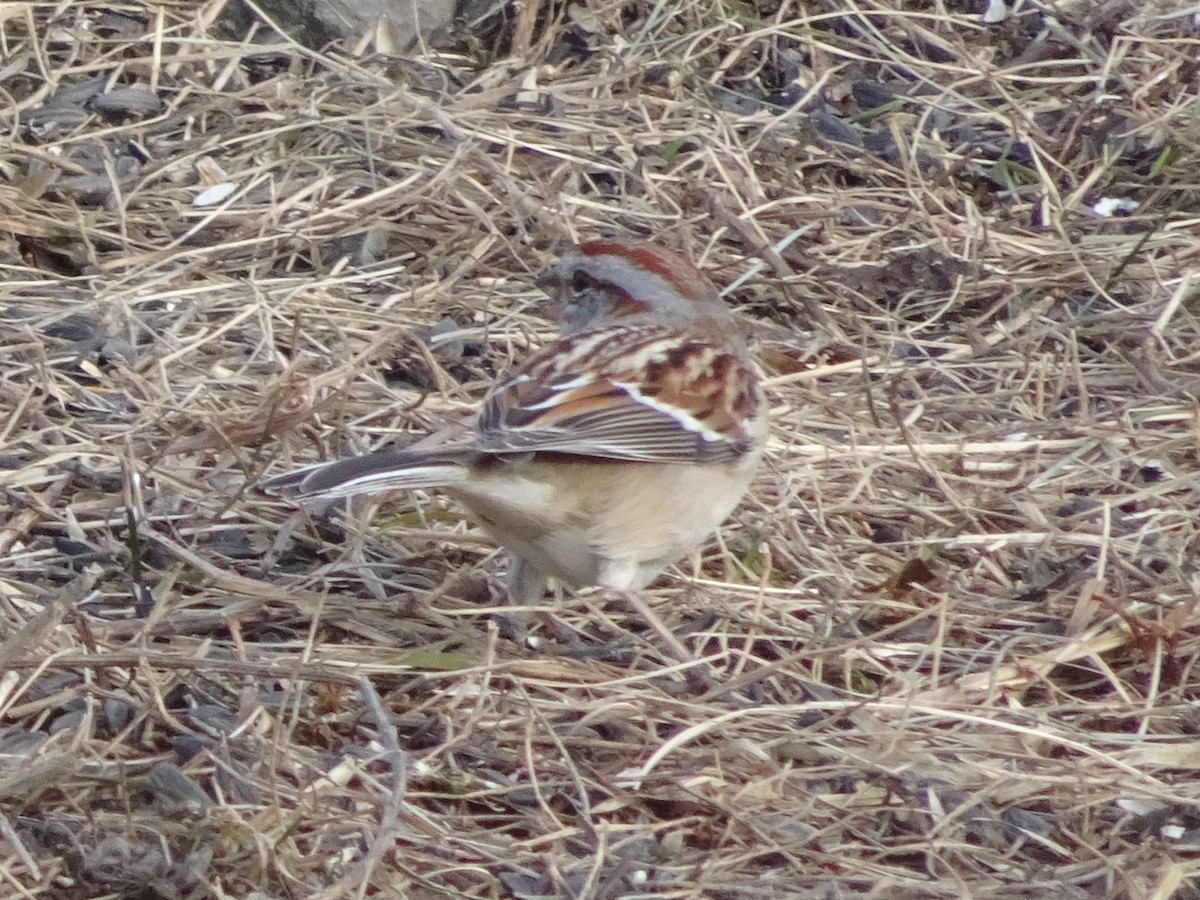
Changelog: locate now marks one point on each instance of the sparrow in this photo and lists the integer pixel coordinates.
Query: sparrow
(610, 452)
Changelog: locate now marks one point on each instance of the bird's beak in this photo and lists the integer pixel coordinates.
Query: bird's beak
(548, 280)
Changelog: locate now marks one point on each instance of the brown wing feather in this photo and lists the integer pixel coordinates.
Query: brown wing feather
(642, 393)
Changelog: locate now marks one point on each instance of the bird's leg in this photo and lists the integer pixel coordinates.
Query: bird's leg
(561, 632)
(527, 587)
(623, 577)
(697, 676)
(676, 646)
(526, 584)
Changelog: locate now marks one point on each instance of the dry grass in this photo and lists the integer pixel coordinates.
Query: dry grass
(954, 632)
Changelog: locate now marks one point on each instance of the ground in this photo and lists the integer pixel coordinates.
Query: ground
(952, 635)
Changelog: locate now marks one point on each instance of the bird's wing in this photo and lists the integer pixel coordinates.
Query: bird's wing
(639, 392)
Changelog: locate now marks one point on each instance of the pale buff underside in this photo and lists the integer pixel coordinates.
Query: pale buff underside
(611, 524)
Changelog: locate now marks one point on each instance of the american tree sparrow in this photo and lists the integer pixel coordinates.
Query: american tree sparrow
(609, 453)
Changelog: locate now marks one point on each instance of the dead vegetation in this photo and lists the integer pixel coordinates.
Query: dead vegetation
(954, 632)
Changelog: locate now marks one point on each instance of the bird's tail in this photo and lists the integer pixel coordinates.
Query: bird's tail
(387, 471)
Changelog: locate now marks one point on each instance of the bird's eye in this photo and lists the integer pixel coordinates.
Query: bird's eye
(581, 281)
